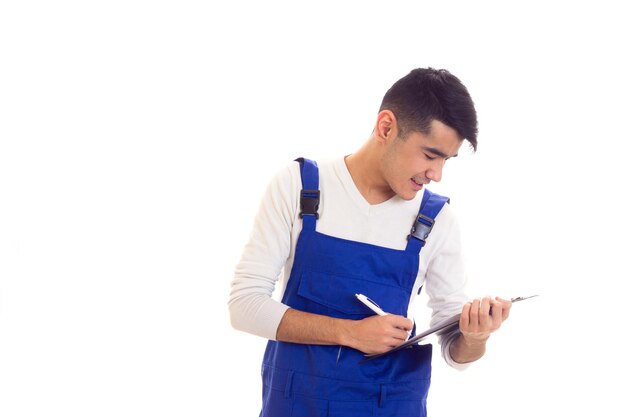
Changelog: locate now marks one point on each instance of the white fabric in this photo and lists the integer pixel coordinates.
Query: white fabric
(268, 256)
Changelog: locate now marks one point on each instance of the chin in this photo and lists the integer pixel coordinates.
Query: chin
(408, 195)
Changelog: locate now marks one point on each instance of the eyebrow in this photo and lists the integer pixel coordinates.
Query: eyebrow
(440, 153)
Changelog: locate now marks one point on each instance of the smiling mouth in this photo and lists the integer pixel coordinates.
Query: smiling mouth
(416, 184)
(420, 181)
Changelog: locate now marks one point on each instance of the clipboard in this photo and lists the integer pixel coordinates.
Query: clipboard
(448, 325)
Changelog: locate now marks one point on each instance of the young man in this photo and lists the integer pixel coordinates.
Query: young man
(352, 226)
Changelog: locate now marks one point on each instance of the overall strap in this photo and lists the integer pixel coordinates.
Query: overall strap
(310, 193)
(431, 206)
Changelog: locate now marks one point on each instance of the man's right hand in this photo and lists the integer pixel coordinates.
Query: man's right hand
(377, 334)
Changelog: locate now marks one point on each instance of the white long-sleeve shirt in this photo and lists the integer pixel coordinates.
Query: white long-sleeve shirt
(344, 213)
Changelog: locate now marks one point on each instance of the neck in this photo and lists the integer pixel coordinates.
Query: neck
(364, 168)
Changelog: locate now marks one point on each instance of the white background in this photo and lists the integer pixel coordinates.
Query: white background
(137, 137)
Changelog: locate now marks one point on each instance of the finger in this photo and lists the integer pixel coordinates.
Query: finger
(496, 314)
(473, 313)
(484, 315)
(392, 340)
(405, 328)
(506, 307)
(400, 322)
(399, 335)
(464, 320)
(407, 325)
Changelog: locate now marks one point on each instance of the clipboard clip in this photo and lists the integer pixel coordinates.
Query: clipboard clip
(523, 298)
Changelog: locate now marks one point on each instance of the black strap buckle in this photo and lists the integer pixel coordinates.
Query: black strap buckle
(309, 203)
(421, 228)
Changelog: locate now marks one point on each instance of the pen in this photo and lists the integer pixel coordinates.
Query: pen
(371, 304)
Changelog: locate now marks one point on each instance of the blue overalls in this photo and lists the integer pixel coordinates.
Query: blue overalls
(333, 381)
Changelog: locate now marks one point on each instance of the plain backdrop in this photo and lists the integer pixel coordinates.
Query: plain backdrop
(137, 137)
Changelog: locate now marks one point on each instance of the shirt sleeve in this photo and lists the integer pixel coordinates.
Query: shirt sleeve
(445, 278)
(252, 308)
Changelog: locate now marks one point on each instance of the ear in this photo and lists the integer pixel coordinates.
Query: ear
(386, 126)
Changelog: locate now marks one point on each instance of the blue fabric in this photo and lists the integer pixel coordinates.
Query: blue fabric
(332, 381)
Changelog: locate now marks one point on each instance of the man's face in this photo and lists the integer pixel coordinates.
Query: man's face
(409, 163)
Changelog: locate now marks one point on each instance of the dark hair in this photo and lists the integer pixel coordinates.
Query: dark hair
(427, 94)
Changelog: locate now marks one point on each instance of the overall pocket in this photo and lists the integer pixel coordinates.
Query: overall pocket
(335, 295)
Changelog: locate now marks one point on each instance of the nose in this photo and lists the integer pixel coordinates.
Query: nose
(435, 172)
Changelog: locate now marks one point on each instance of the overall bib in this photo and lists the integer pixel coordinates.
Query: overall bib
(333, 381)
